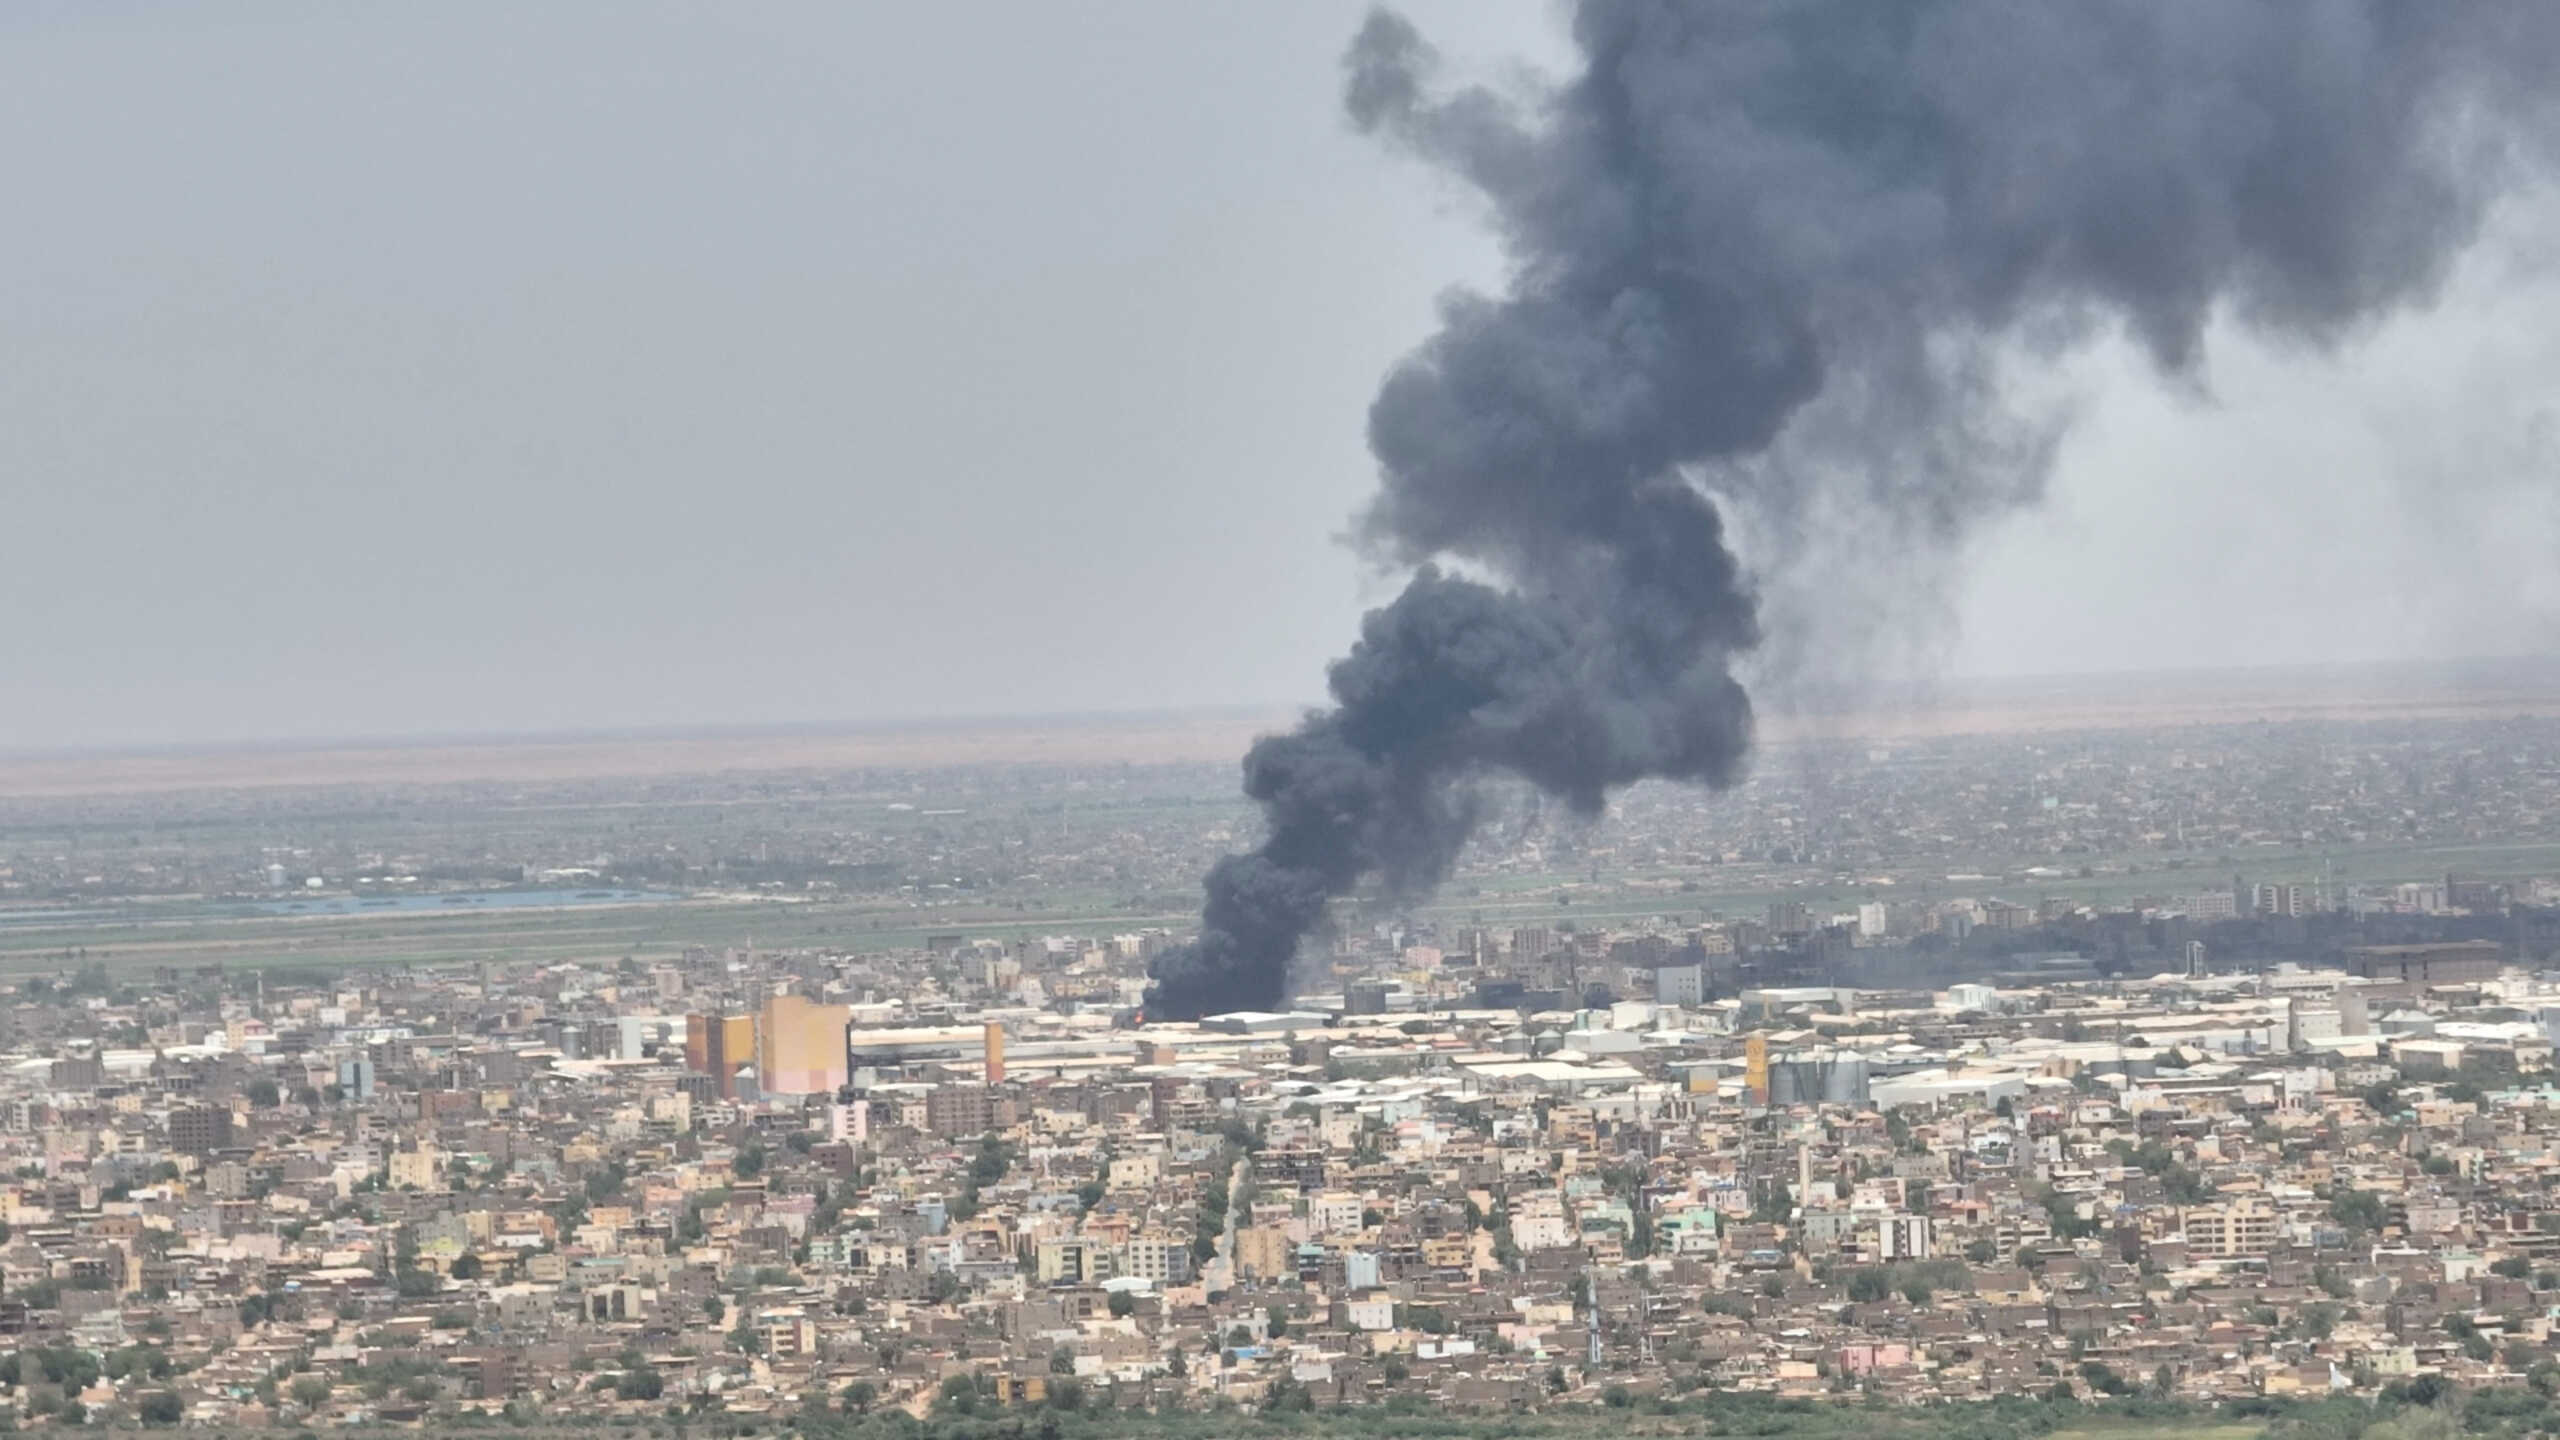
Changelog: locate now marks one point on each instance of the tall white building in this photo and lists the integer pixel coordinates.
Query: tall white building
(1902, 1237)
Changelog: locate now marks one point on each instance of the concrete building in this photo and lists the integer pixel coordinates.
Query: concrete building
(2463, 962)
(2246, 1226)
(1680, 981)
(959, 1111)
(800, 1046)
(720, 1046)
(1902, 1237)
(199, 1129)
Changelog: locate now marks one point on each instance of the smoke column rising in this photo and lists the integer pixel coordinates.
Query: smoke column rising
(1774, 257)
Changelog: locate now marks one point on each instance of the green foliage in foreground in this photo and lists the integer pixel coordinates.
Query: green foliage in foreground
(2421, 1410)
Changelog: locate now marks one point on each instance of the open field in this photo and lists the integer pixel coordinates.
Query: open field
(596, 933)
(145, 935)
(1006, 829)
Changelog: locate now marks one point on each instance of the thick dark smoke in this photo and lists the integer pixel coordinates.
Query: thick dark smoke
(1779, 253)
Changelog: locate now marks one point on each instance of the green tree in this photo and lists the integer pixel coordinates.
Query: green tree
(1286, 1396)
(607, 1182)
(991, 1162)
(2357, 1209)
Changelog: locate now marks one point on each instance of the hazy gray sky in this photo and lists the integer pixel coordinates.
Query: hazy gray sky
(372, 370)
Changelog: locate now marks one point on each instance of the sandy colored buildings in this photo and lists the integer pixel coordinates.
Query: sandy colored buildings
(720, 1046)
(800, 1046)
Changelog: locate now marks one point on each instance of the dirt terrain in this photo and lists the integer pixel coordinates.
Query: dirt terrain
(1191, 737)
(2088, 702)
(2169, 700)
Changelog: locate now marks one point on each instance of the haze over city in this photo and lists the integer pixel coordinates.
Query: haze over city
(1463, 721)
(468, 369)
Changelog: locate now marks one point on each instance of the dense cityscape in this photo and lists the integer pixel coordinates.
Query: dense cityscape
(2078, 1066)
(1580, 720)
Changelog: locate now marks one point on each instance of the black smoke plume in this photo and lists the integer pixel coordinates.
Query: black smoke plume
(1779, 253)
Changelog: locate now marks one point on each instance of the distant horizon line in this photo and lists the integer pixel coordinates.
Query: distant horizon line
(2448, 667)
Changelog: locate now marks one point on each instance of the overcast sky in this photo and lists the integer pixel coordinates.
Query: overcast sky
(383, 370)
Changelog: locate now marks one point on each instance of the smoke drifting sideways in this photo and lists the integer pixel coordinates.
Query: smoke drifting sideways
(1769, 260)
